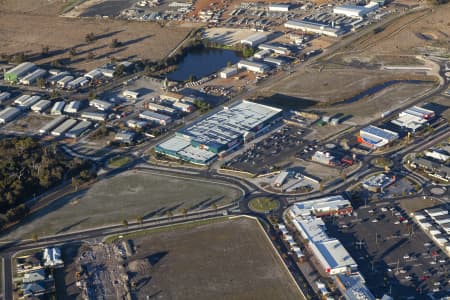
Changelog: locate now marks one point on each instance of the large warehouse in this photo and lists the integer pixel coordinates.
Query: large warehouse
(329, 252)
(220, 132)
(376, 137)
(312, 27)
(19, 71)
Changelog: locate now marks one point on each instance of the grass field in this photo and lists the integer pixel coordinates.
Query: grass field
(263, 204)
(225, 259)
(117, 162)
(125, 196)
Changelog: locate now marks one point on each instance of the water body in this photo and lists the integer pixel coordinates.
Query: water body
(375, 89)
(203, 62)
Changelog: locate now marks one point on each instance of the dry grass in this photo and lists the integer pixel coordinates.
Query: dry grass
(408, 35)
(40, 26)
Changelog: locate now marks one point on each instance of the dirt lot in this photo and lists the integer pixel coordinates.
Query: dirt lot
(228, 259)
(124, 196)
(412, 34)
(43, 28)
(370, 108)
(331, 83)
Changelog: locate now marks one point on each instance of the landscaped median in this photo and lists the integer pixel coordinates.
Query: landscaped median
(263, 204)
(118, 161)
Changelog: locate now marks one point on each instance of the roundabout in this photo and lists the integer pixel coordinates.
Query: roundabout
(263, 205)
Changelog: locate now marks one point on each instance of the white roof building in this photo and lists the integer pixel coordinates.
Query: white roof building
(52, 257)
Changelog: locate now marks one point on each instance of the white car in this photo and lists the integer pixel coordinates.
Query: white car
(375, 221)
(397, 222)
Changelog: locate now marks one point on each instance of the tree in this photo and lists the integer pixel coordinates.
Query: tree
(90, 37)
(115, 43)
(140, 220)
(169, 214)
(184, 211)
(75, 183)
(118, 72)
(124, 223)
(35, 237)
(214, 206)
(73, 52)
(92, 95)
(44, 51)
(91, 55)
(41, 82)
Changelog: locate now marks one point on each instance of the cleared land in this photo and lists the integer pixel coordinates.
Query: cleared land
(425, 31)
(229, 259)
(125, 196)
(41, 27)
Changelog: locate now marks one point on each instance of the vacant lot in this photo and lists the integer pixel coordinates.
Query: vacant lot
(330, 84)
(415, 33)
(125, 196)
(370, 108)
(230, 259)
(42, 27)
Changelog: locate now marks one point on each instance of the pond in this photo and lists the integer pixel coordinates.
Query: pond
(203, 62)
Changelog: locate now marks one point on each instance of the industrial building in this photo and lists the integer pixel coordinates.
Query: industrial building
(262, 53)
(19, 101)
(73, 107)
(56, 77)
(29, 102)
(281, 178)
(63, 82)
(160, 108)
(101, 104)
(230, 126)
(312, 27)
(414, 118)
(332, 205)
(19, 71)
(9, 114)
(78, 82)
(355, 11)
(378, 183)
(57, 108)
(353, 287)
(181, 148)
(436, 223)
(4, 96)
(155, 117)
(252, 66)
(130, 94)
(220, 132)
(254, 40)
(274, 61)
(64, 127)
(132, 123)
(78, 129)
(329, 252)
(33, 77)
(282, 50)
(94, 74)
(41, 106)
(184, 107)
(279, 7)
(375, 137)
(437, 154)
(94, 116)
(172, 97)
(324, 158)
(228, 72)
(124, 136)
(52, 125)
